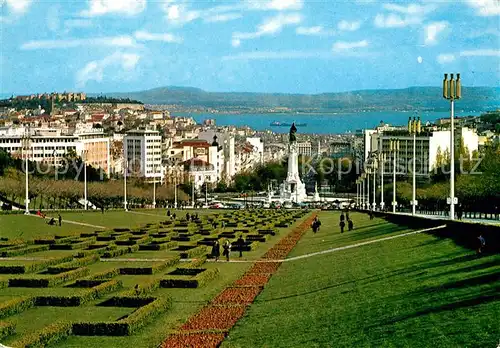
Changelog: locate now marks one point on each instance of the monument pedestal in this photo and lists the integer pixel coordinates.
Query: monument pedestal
(293, 189)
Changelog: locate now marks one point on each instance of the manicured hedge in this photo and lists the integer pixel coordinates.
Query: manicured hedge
(77, 300)
(129, 301)
(197, 281)
(104, 275)
(4, 283)
(71, 246)
(25, 250)
(120, 251)
(143, 289)
(80, 262)
(192, 253)
(6, 329)
(44, 337)
(48, 281)
(154, 268)
(127, 326)
(15, 306)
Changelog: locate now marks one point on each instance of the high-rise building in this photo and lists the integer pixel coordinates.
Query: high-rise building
(142, 151)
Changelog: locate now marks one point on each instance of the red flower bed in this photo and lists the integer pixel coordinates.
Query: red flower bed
(218, 318)
(197, 340)
(264, 267)
(253, 280)
(237, 296)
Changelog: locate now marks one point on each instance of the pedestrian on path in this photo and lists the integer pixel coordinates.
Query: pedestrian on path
(216, 250)
(227, 250)
(241, 244)
(59, 218)
(481, 244)
(342, 226)
(350, 224)
(342, 217)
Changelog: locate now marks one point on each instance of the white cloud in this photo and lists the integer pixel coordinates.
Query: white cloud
(402, 16)
(95, 70)
(481, 53)
(236, 42)
(445, 58)
(315, 31)
(349, 26)
(345, 45)
(433, 30)
(270, 26)
(53, 21)
(223, 17)
(123, 7)
(278, 5)
(485, 8)
(178, 13)
(16, 6)
(77, 23)
(142, 35)
(266, 55)
(411, 9)
(115, 41)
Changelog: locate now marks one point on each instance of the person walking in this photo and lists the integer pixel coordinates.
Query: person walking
(216, 250)
(342, 226)
(188, 217)
(241, 244)
(174, 215)
(102, 209)
(481, 244)
(347, 215)
(168, 213)
(227, 250)
(460, 212)
(350, 224)
(59, 218)
(342, 217)
(314, 226)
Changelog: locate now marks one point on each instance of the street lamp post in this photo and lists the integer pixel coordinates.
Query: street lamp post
(154, 186)
(394, 149)
(26, 143)
(84, 153)
(175, 190)
(452, 90)
(125, 170)
(414, 128)
(382, 202)
(374, 205)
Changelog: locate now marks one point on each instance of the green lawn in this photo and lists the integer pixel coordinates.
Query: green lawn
(414, 291)
(26, 227)
(185, 301)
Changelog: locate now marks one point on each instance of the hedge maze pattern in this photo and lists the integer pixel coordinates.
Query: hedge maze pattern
(92, 269)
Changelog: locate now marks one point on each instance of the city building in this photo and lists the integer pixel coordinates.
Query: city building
(142, 151)
(305, 148)
(94, 147)
(47, 145)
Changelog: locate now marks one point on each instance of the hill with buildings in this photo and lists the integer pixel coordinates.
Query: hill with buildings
(413, 98)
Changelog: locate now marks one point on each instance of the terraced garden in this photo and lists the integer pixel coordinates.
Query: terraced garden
(134, 286)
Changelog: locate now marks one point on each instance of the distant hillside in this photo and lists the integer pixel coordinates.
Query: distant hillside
(474, 98)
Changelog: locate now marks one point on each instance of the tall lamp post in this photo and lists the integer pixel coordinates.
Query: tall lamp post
(394, 149)
(414, 129)
(26, 139)
(374, 205)
(382, 165)
(154, 186)
(175, 190)
(84, 153)
(452, 90)
(125, 171)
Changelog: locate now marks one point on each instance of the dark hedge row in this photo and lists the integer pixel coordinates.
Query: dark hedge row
(48, 281)
(84, 297)
(197, 281)
(44, 337)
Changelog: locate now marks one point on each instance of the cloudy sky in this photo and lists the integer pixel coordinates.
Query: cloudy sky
(299, 46)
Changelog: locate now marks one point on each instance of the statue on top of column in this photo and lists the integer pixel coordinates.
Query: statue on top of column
(293, 130)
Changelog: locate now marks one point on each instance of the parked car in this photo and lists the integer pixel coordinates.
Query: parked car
(217, 206)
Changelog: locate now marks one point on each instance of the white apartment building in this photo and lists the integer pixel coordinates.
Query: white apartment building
(304, 148)
(428, 145)
(94, 147)
(227, 142)
(258, 146)
(44, 144)
(142, 151)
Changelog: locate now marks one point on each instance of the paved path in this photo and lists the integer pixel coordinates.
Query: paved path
(297, 257)
(156, 215)
(72, 222)
(445, 217)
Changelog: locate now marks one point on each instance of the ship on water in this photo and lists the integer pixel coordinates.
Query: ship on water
(282, 124)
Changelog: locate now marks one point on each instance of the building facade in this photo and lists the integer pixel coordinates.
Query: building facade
(142, 153)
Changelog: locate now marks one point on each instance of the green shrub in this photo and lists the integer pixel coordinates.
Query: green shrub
(80, 262)
(197, 281)
(4, 283)
(144, 315)
(77, 300)
(6, 329)
(120, 251)
(196, 263)
(28, 267)
(101, 329)
(25, 250)
(82, 245)
(143, 289)
(44, 337)
(48, 281)
(129, 301)
(15, 306)
(104, 275)
(198, 251)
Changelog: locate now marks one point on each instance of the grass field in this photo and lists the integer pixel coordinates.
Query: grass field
(185, 302)
(414, 291)
(27, 227)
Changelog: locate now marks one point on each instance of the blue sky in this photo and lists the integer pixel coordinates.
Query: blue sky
(290, 46)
